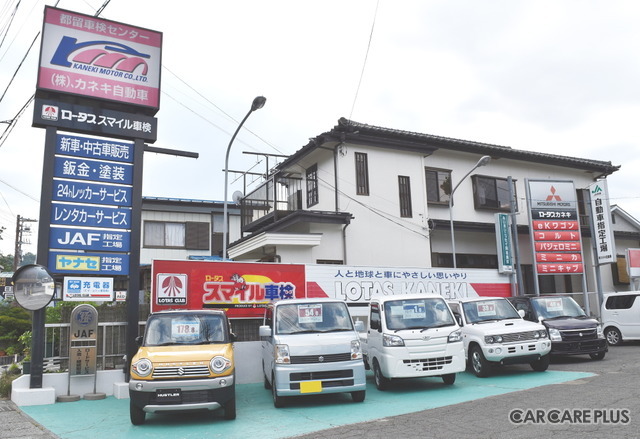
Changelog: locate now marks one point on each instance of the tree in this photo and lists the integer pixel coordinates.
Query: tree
(6, 262)
(28, 258)
(14, 321)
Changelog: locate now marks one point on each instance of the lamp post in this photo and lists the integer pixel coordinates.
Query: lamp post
(483, 161)
(257, 104)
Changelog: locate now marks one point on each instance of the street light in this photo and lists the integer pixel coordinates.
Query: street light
(257, 104)
(483, 161)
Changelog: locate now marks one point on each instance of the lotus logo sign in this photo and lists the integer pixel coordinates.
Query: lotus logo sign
(171, 289)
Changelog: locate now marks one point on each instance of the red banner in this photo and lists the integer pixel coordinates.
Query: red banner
(243, 289)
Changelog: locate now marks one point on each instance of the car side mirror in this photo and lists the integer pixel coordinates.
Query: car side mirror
(458, 318)
(264, 331)
(521, 313)
(139, 340)
(232, 337)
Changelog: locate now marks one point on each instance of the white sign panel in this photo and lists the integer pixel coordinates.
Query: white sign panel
(88, 289)
(601, 217)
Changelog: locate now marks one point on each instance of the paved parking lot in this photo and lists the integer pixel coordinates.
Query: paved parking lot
(257, 417)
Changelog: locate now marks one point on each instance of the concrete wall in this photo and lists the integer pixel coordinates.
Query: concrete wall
(112, 382)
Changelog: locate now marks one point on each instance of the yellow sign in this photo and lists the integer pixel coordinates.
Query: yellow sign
(77, 262)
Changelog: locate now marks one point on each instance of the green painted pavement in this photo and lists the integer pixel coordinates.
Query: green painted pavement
(256, 416)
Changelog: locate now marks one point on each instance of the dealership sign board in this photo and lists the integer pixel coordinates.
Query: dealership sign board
(245, 288)
(605, 245)
(555, 227)
(100, 59)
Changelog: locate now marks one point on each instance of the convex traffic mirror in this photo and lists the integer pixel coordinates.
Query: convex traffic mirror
(33, 287)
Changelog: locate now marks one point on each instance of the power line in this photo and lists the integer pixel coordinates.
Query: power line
(364, 64)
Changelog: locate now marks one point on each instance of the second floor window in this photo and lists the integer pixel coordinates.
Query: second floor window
(312, 186)
(404, 186)
(491, 193)
(189, 235)
(438, 185)
(362, 174)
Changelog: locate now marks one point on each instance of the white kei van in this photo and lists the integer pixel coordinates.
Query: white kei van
(621, 317)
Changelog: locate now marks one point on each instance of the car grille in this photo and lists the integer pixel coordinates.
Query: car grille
(579, 334)
(327, 358)
(517, 337)
(189, 397)
(428, 363)
(324, 375)
(181, 372)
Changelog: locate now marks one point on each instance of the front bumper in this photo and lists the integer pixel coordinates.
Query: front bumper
(334, 377)
(515, 353)
(199, 394)
(401, 363)
(579, 347)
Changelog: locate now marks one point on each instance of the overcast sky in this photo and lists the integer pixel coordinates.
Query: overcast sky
(548, 76)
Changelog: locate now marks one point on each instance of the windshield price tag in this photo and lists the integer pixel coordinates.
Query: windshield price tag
(185, 330)
(554, 304)
(486, 309)
(310, 313)
(414, 311)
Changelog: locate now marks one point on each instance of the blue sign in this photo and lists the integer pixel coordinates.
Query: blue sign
(105, 149)
(93, 193)
(93, 170)
(89, 263)
(90, 216)
(89, 239)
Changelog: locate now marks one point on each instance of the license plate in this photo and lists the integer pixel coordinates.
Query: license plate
(168, 396)
(311, 387)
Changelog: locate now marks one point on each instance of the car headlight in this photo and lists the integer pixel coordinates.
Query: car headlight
(356, 351)
(282, 354)
(219, 364)
(389, 340)
(142, 367)
(490, 339)
(554, 334)
(455, 336)
(599, 331)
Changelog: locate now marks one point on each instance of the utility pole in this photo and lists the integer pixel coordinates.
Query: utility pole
(21, 230)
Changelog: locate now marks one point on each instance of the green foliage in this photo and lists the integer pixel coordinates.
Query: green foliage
(28, 258)
(5, 383)
(25, 341)
(14, 321)
(7, 262)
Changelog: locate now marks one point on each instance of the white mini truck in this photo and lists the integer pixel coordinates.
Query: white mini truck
(412, 336)
(310, 346)
(495, 333)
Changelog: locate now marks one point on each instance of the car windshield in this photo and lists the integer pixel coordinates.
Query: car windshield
(417, 314)
(178, 329)
(551, 307)
(313, 317)
(491, 309)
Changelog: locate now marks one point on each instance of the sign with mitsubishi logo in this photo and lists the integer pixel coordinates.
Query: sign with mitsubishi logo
(555, 227)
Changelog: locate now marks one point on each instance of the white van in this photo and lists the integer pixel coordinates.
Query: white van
(310, 346)
(621, 317)
(412, 336)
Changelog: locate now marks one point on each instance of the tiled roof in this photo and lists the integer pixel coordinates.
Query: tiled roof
(355, 132)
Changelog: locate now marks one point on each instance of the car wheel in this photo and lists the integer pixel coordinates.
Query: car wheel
(541, 364)
(136, 414)
(597, 356)
(449, 378)
(277, 400)
(381, 381)
(479, 364)
(358, 396)
(613, 336)
(230, 410)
